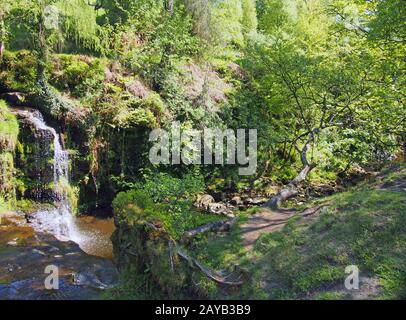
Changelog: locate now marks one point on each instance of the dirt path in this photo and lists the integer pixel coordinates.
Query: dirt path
(266, 221)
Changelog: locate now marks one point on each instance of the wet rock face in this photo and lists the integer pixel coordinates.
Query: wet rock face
(147, 247)
(34, 161)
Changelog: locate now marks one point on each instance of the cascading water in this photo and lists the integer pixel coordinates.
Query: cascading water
(90, 233)
(60, 221)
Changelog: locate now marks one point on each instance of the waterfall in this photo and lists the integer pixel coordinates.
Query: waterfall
(59, 221)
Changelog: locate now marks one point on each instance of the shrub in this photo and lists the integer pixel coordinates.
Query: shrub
(154, 103)
(18, 70)
(8, 129)
(137, 117)
(79, 75)
(166, 199)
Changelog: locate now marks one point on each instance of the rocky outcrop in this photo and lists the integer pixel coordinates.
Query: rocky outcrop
(147, 247)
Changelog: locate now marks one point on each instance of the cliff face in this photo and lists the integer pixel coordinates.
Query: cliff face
(34, 161)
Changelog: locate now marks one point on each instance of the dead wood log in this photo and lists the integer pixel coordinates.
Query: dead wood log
(310, 211)
(219, 226)
(230, 279)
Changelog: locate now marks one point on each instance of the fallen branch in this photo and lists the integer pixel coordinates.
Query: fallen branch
(311, 211)
(222, 226)
(231, 279)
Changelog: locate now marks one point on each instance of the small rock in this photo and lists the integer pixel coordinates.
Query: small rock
(79, 279)
(12, 242)
(219, 208)
(53, 249)
(236, 201)
(72, 253)
(38, 251)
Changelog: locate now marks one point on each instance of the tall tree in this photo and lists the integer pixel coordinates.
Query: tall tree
(314, 77)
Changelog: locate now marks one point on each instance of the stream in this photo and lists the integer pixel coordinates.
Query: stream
(80, 247)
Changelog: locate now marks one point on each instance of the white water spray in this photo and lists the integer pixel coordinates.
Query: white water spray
(60, 221)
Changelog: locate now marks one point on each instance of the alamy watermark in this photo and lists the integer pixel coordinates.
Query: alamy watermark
(52, 281)
(352, 281)
(205, 146)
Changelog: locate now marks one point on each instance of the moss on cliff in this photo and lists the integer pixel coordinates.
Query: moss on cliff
(8, 138)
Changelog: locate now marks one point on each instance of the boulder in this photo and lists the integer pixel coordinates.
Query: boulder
(203, 201)
(236, 201)
(14, 98)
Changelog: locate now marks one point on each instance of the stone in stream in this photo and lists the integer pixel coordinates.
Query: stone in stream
(208, 203)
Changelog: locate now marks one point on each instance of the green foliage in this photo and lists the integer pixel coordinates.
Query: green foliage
(136, 117)
(78, 24)
(153, 103)
(79, 75)
(7, 180)
(326, 77)
(134, 286)
(168, 40)
(8, 139)
(8, 128)
(249, 16)
(18, 70)
(226, 22)
(163, 198)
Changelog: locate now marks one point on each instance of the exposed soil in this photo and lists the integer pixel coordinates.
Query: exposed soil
(266, 221)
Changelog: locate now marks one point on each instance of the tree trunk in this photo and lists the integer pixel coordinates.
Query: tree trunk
(404, 147)
(42, 50)
(2, 36)
(1, 50)
(169, 6)
(291, 189)
(211, 226)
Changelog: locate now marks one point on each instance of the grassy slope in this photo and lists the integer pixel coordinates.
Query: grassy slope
(364, 226)
(8, 138)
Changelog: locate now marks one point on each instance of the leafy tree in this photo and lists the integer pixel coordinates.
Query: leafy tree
(313, 75)
(249, 16)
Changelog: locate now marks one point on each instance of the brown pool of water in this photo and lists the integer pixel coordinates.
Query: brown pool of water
(26, 252)
(94, 235)
(90, 233)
